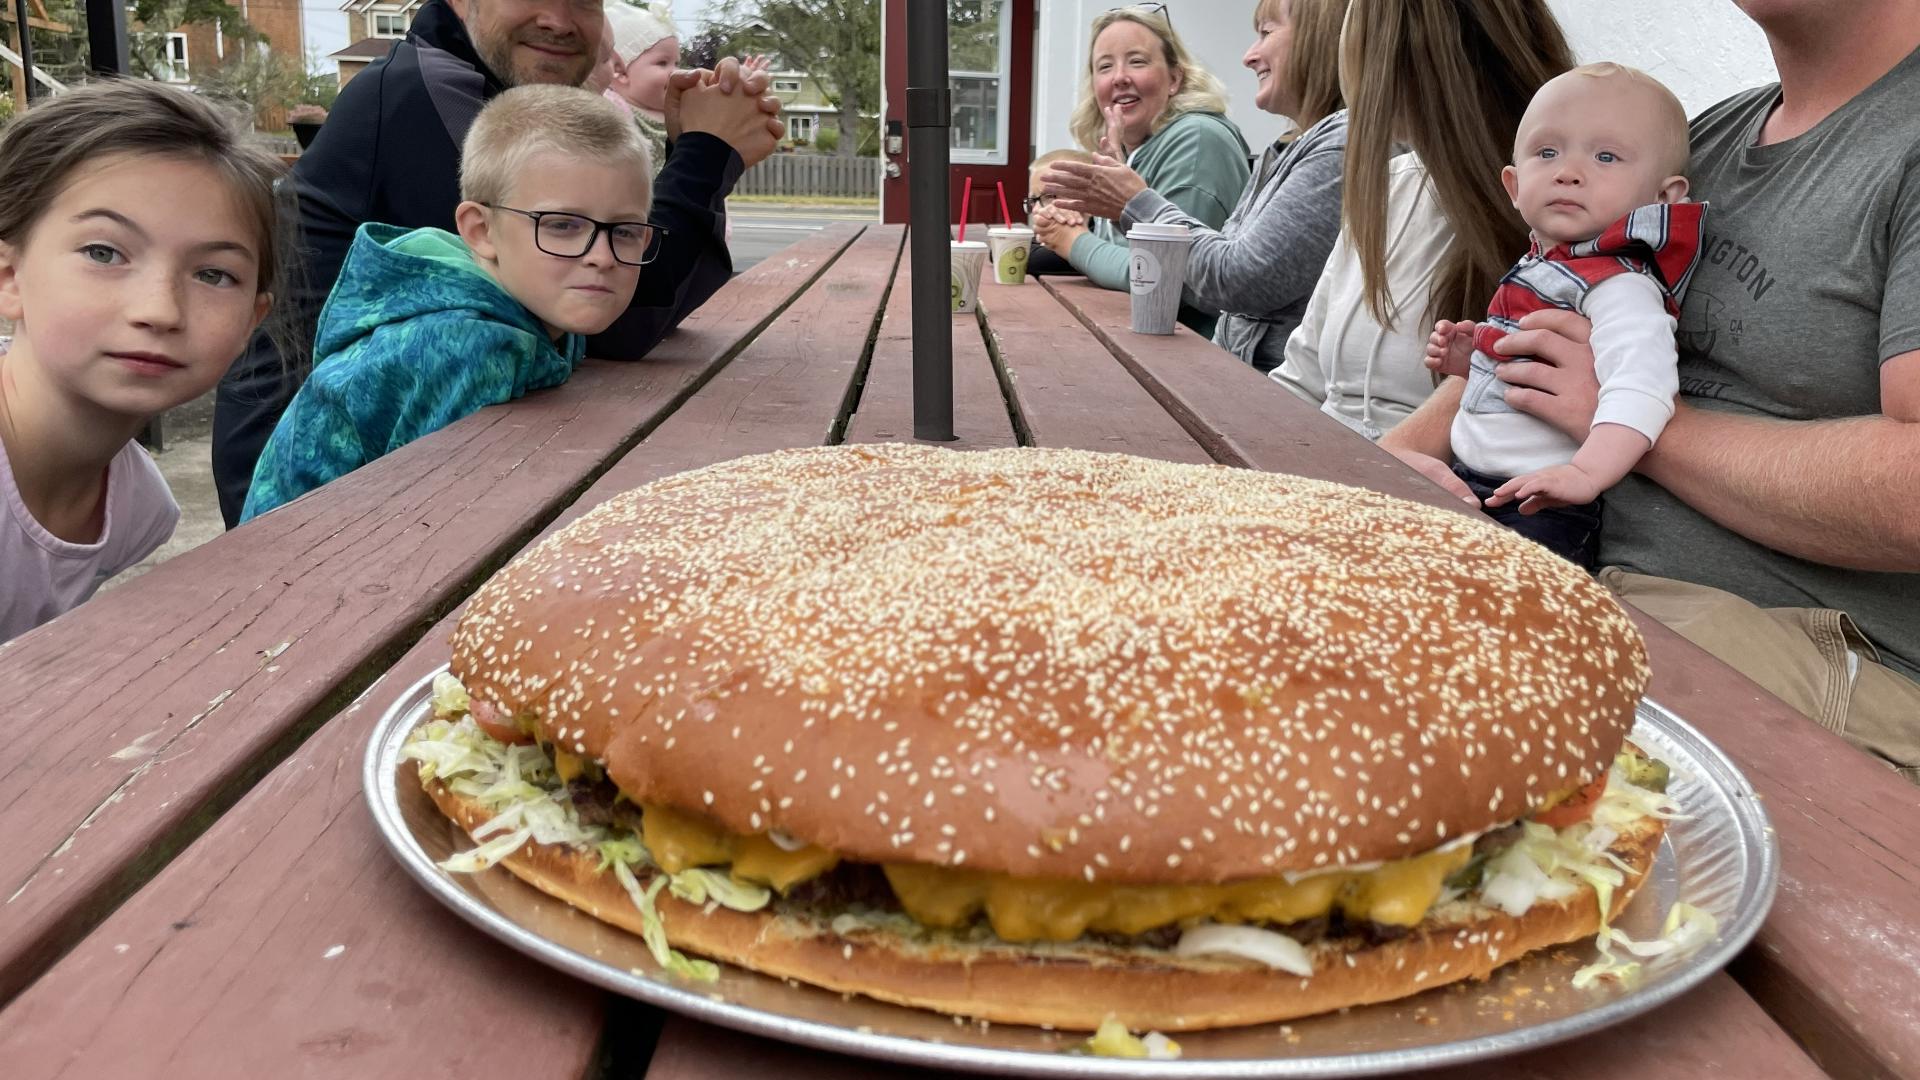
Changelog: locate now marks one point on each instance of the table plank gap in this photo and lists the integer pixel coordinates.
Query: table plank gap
(1069, 390)
(981, 419)
(856, 387)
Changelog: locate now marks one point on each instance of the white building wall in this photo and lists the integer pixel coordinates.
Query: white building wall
(1703, 49)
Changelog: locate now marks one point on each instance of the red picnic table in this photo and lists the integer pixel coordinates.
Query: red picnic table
(194, 886)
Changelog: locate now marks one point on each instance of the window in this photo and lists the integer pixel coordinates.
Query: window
(389, 26)
(786, 86)
(802, 126)
(176, 58)
(979, 33)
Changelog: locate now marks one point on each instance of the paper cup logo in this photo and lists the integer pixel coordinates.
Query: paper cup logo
(959, 291)
(1013, 264)
(1144, 271)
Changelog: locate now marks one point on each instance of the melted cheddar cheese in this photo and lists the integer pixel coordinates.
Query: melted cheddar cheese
(1046, 909)
(680, 841)
(1032, 909)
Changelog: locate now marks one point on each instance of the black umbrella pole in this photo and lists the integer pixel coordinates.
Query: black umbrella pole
(26, 45)
(929, 112)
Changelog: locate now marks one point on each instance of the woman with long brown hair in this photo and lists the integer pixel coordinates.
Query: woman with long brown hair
(1434, 91)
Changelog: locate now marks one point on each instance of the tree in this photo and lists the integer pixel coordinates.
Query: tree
(155, 19)
(836, 42)
(704, 49)
(254, 78)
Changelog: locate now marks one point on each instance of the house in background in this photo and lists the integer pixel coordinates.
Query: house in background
(373, 26)
(203, 47)
(803, 105)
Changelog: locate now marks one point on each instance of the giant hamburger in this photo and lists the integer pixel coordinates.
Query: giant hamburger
(1049, 737)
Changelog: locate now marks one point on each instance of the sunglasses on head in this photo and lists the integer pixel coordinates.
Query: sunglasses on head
(1159, 11)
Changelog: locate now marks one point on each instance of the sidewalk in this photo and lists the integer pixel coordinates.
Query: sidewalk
(187, 463)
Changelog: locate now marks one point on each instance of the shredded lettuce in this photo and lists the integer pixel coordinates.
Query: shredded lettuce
(449, 697)
(654, 931)
(698, 885)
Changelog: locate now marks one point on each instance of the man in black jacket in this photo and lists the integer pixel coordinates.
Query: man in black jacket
(390, 152)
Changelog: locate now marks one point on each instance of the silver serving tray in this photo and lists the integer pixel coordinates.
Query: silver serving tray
(1721, 857)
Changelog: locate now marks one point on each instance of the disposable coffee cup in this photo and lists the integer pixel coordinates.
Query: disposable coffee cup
(969, 260)
(1156, 273)
(1008, 245)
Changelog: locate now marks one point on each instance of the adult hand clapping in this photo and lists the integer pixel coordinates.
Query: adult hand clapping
(731, 103)
(1099, 189)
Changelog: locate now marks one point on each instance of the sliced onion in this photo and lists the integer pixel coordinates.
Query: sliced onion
(785, 842)
(1510, 893)
(1159, 1047)
(1276, 950)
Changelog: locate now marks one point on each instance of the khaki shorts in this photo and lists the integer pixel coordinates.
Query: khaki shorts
(1814, 659)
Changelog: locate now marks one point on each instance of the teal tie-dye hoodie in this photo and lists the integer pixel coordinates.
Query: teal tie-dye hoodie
(413, 337)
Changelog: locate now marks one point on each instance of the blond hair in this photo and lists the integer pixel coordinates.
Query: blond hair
(524, 122)
(1052, 156)
(1313, 62)
(1669, 119)
(1451, 78)
(1200, 91)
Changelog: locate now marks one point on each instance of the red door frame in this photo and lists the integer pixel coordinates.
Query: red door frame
(893, 75)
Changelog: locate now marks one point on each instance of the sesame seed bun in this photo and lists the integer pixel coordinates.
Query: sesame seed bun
(1059, 664)
(1077, 986)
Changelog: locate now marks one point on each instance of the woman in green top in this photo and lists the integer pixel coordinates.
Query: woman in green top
(1145, 101)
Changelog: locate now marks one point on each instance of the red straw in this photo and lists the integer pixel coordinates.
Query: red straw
(966, 199)
(1004, 213)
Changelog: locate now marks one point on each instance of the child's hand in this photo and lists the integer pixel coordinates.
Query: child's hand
(1437, 471)
(1450, 349)
(1562, 485)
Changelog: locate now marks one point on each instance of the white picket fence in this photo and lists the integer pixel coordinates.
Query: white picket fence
(813, 174)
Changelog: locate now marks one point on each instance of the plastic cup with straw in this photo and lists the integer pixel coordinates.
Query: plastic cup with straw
(1008, 245)
(968, 259)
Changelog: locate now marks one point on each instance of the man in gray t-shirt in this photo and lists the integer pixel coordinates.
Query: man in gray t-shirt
(1789, 476)
(1808, 287)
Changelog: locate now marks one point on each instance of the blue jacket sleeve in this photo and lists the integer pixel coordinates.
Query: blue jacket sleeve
(316, 441)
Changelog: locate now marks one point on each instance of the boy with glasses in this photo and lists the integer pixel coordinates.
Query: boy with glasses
(424, 327)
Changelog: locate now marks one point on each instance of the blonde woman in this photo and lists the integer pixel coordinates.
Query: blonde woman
(1144, 101)
(1260, 267)
(1434, 92)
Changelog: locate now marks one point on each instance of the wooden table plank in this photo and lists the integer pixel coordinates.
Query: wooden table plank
(1240, 416)
(287, 941)
(1835, 961)
(794, 386)
(885, 412)
(412, 966)
(1068, 391)
(142, 715)
(1714, 1031)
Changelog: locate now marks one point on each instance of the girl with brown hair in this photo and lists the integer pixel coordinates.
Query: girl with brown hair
(1434, 91)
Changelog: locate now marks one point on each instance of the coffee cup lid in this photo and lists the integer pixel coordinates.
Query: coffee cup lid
(968, 245)
(1009, 230)
(1148, 230)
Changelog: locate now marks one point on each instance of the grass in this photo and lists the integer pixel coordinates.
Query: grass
(854, 202)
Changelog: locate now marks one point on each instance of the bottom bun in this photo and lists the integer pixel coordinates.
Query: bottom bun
(1078, 988)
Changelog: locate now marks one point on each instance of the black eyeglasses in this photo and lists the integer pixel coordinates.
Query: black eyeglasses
(569, 236)
(1034, 202)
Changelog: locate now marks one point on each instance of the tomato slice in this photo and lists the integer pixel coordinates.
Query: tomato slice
(1577, 807)
(487, 719)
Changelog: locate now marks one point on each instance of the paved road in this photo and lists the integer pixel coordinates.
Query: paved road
(759, 231)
